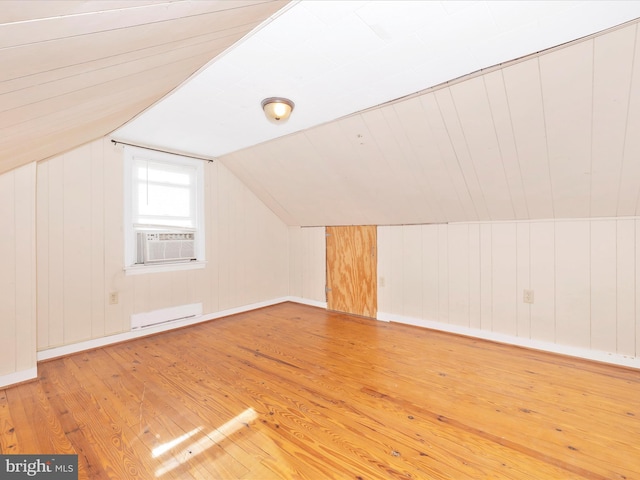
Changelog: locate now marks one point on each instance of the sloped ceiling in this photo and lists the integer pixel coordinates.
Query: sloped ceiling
(406, 112)
(556, 135)
(72, 71)
(423, 112)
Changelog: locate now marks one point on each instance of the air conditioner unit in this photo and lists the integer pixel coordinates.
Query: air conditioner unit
(165, 247)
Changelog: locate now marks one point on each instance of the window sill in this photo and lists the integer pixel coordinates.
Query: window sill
(164, 267)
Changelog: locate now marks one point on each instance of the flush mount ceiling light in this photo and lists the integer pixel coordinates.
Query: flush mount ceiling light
(277, 109)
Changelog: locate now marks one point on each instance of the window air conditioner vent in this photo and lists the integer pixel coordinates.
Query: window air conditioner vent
(165, 247)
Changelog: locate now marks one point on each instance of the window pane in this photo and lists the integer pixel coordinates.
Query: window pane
(169, 222)
(163, 200)
(164, 191)
(164, 173)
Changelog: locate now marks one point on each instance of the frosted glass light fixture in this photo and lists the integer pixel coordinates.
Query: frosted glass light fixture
(277, 109)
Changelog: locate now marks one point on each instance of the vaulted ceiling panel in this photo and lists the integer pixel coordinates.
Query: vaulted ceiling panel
(342, 157)
(255, 174)
(363, 139)
(90, 109)
(447, 154)
(524, 94)
(404, 165)
(67, 64)
(438, 111)
(430, 176)
(548, 136)
(460, 152)
(629, 190)
(612, 76)
(480, 144)
(29, 10)
(508, 152)
(566, 79)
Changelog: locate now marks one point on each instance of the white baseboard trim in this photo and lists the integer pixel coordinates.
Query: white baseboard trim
(149, 330)
(585, 353)
(18, 377)
(306, 301)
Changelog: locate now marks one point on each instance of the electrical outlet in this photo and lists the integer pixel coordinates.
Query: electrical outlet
(113, 298)
(381, 281)
(527, 296)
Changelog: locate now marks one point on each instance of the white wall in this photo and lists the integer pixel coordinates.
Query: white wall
(80, 250)
(465, 277)
(307, 264)
(17, 275)
(470, 277)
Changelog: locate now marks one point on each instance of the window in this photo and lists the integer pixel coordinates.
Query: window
(164, 226)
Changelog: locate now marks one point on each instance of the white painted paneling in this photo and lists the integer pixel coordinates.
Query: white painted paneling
(501, 121)
(567, 93)
(628, 190)
(447, 155)
(523, 281)
(412, 270)
(208, 284)
(76, 224)
(396, 273)
(295, 261)
(316, 264)
(612, 70)
(482, 148)
(430, 272)
(74, 77)
(25, 273)
(307, 263)
(543, 281)
(55, 254)
(458, 268)
(98, 298)
(42, 253)
(80, 247)
(460, 150)
(549, 136)
(383, 240)
(486, 293)
(443, 274)
(7, 275)
(425, 174)
(583, 274)
(626, 287)
(637, 296)
(524, 96)
(474, 276)
(17, 273)
(117, 317)
(603, 285)
(223, 240)
(573, 283)
(504, 278)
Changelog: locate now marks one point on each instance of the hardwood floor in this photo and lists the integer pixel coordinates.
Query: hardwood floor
(292, 391)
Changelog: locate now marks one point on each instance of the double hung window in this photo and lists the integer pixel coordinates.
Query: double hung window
(164, 227)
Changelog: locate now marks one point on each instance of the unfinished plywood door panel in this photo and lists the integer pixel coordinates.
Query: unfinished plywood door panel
(351, 270)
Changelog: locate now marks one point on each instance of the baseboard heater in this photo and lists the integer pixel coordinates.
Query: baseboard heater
(165, 315)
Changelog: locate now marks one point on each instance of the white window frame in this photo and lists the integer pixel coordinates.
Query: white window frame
(131, 268)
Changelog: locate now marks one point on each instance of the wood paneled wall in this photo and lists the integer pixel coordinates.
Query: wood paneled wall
(585, 275)
(307, 263)
(80, 250)
(17, 273)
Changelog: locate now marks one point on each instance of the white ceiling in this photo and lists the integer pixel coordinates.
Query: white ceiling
(406, 112)
(339, 57)
(72, 71)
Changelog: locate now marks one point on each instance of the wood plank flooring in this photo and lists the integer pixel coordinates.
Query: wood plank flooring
(296, 392)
